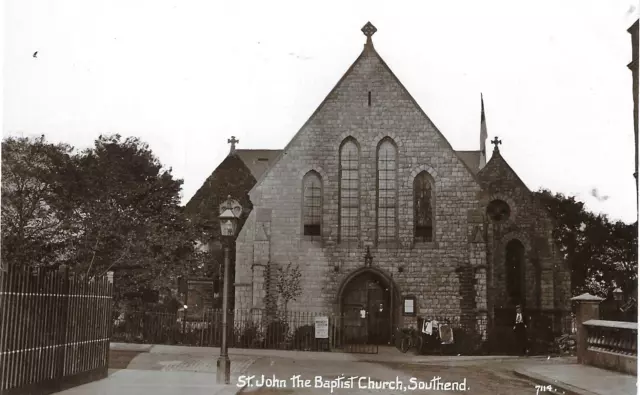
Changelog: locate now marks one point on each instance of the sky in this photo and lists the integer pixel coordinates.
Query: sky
(186, 75)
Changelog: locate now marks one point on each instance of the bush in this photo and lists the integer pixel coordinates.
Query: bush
(158, 328)
(249, 337)
(467, 343)
(304, 338)
(276, 334)
(565, 344)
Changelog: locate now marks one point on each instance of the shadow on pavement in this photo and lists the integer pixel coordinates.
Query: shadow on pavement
(121, 359)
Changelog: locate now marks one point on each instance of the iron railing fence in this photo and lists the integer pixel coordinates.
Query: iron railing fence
(296, 330)
(54, 329)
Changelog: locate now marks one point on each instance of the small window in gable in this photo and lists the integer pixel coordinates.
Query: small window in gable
(498, 210)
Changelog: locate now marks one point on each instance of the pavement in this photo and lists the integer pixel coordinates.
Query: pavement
(385, 354)
(139, 382)
(158, 369)
(576, 379)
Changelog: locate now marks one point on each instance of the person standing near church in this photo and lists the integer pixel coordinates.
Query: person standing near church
(520, 331)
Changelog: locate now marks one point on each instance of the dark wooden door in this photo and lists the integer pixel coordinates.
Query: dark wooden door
(378, 313)
(371, 325)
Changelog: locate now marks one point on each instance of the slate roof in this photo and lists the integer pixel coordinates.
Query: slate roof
(258, 160)
(499, 163)
(471, 159)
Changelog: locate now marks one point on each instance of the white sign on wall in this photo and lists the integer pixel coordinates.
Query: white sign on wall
(408, 306)
(322, 327)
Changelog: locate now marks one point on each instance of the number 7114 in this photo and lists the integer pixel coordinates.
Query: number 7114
(542, 388)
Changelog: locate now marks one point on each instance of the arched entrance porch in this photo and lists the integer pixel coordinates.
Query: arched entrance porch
(367, 301)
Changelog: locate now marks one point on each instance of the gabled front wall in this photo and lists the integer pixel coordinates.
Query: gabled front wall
(438, 273)
(547, 276)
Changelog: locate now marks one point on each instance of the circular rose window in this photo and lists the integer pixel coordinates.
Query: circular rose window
(498, 211)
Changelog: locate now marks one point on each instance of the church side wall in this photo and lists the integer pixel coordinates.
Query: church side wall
(244, 260)
(439, 274)
(547, 281)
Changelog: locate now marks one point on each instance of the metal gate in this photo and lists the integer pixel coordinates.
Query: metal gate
(353, 335)
(365, 315)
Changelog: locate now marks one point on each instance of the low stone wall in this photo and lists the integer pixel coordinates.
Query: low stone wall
(612, 345)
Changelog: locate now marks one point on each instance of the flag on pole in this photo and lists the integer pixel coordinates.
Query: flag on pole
(483, 128)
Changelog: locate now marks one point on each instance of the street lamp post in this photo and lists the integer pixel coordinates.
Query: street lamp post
(184, 323)
(229, 212)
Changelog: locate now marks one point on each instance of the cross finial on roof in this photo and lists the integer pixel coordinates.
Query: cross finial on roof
(369, 30)
(496, 142)
(233, 143)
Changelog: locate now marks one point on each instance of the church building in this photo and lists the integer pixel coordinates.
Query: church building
(388, 222)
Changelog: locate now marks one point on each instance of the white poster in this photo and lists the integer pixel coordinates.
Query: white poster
(322, 327)
(408, 306)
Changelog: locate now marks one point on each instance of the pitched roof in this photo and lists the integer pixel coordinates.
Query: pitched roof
(258, 160)
(497, 161)
(368, 48)
(233, 175)
(471, 159)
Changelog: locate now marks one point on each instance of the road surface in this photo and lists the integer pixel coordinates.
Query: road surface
(279, 376)
(268, 372)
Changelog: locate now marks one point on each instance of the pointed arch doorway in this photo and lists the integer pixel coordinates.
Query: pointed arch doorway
(367, 300)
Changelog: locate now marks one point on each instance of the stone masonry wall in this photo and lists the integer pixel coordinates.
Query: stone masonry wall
(439, 273)
(546, 273)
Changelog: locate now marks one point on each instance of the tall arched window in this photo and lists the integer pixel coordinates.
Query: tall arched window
(387, 192)
(423, 207)
(515, 275)
(349, 190)
(312, 205)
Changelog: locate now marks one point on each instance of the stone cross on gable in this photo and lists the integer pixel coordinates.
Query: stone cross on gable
(495, 142)
(369, 30)
(233, 143)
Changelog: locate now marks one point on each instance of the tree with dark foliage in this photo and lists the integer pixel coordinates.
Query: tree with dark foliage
(109, 207)
(33, 232)
(601, 254)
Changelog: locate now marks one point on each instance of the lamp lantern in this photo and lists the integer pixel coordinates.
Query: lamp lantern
(228, 223)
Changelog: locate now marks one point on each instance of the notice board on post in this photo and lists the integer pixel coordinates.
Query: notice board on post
(322, 327)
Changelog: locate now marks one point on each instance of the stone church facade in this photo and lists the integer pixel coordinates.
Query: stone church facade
(382, 215)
